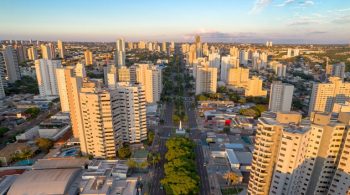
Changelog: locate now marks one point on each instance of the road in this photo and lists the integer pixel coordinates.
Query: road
(163, 134)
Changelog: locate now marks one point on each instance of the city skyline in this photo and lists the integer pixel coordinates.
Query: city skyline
(253, 21)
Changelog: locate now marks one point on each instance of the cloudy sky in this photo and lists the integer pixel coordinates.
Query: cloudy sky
(282, 21)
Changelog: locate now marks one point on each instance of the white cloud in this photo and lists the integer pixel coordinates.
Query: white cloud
(259, 5)
(307, 3)
(287, 2)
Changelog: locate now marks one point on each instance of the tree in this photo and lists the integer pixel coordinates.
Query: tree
(226, 129)
(3, 130)
(44, 144)
(132, 164)
(33, 112)
(150, 137)
(232, 178)
(124, 152)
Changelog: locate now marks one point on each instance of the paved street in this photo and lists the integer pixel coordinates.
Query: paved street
(164, 133)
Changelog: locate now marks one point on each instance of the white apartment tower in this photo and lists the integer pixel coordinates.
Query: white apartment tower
(281, 96)
(46, 76)
(46, 52)
(131, 108)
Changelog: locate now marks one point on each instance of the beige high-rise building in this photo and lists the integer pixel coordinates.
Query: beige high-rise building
(228, 62)
(313, 159)
(61, 49)
(255, 88)
(301, 157)
(69, 87)
(130, 45)
(131, 107)
(142, 45)
(192, 54)
(164, 47)
(325, 95)
(11, 64)
(150, 77)
(32, 53)
(88, 57)
(46, 52)
(79, 70)
(267, 142)
(238, 77)
(124, 74)
(112, 77)
(63, 75)
(234, 52)
(206, 79)
(46, 76)
(100, 136)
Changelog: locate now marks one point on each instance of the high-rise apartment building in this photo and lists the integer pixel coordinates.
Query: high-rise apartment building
(131, 107)
(100, 136)
(336, 70)
(88, 57)
(206, 79)
(21, 53)
(325, 95)
(112, 77)
(267, 142)
(46, 52)
(32, 53)
(301, 157)
(79, 70)
(227, 62)
(2, 76)
(214, 60)
(46, 76)
(11, 64)
(255, 88)
(119, 54)
(61, 49)
(150, 77)
(124, 74)
(279, 69)
(238, 77)
(281, 96)
(199, 48)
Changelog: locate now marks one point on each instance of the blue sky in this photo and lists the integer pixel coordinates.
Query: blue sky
(282, 21)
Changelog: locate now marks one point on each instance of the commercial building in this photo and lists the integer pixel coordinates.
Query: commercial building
(46, 76)
(281, 96)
